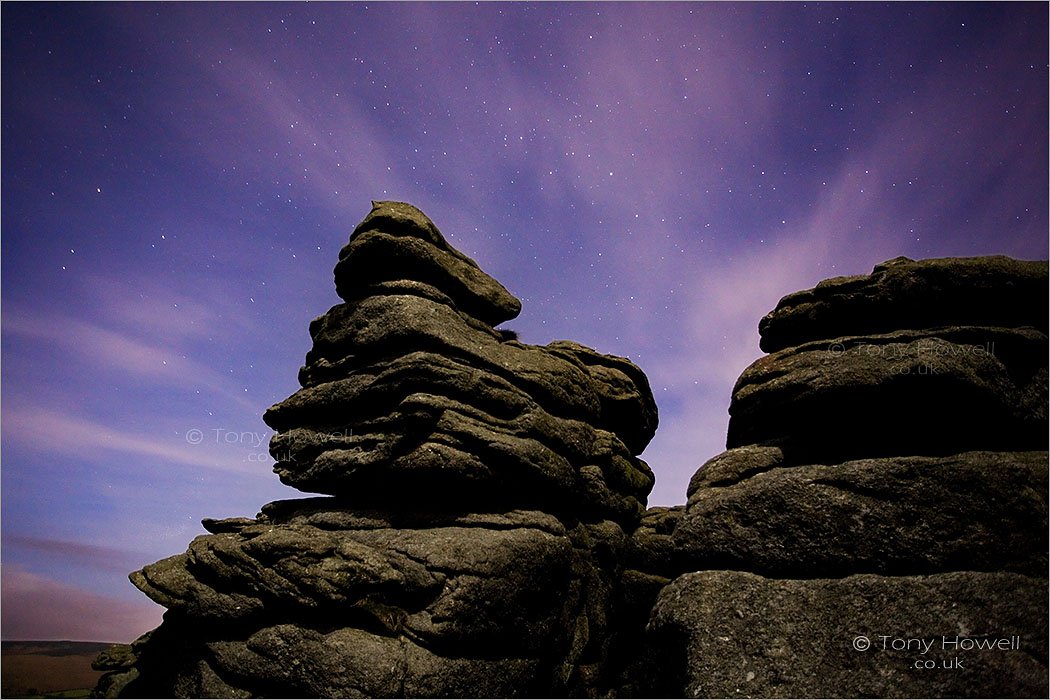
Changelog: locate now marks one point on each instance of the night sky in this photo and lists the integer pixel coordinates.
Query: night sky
(649, 180)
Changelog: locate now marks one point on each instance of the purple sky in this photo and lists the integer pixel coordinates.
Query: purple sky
(649, 179)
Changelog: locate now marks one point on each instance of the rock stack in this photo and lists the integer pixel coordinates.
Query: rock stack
(480, 492)
(878, 525)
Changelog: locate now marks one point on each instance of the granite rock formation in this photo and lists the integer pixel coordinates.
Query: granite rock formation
(876, 527)
(480, 495)
(885, 481)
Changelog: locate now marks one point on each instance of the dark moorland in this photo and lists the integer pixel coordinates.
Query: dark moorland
(49, 669)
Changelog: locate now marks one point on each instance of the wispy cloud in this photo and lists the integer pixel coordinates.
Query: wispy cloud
(50, 431)
(93, 556)
(38, 608)
(102, 349)
(159, 310)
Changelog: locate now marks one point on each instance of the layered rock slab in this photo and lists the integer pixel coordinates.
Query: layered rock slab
(905, 294)
(984, 511)
(911, 392)
(397, 243)
(285, 600)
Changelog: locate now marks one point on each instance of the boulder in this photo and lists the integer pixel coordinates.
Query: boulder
(408, 392)
(315, 600)
(490, 585)
(983, 511)
(930, 392)
(113, 658)
(650, 548)
(906, 294)
(397, 243)
(887, 471)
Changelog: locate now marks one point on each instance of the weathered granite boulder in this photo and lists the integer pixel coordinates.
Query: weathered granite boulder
(479, 494)
(318, 600)
(409, 392)
(397, 247)
(981, 511)
(915, 392)
(903, 294)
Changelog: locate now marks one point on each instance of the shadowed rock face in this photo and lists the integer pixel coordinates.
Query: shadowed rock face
(972, 511)
(915, 392)
(906, 294)
(479, 493)
(931, 357)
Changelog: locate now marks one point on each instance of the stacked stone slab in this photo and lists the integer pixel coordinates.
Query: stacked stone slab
(878, 524)
(479, 492)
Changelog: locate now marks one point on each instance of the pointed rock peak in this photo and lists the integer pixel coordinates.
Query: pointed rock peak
(397, 249)
(899, 260)
(401, 219)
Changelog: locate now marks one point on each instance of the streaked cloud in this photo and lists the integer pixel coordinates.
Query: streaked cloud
(118, 352)
(54, 432)
(39, 608)
(94, 556)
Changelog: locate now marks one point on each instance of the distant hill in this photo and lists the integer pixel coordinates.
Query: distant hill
(48, 669)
